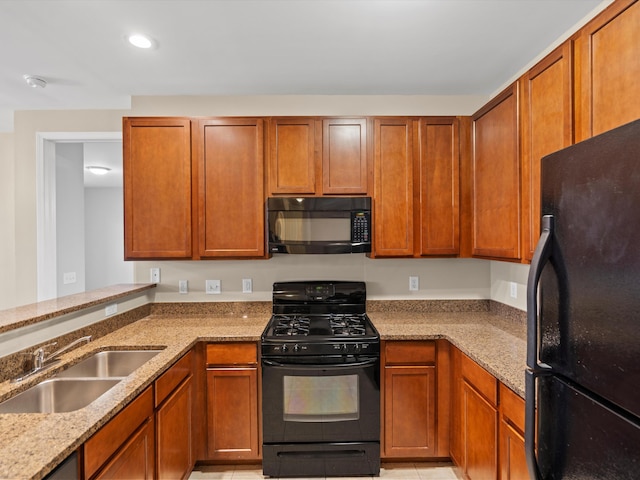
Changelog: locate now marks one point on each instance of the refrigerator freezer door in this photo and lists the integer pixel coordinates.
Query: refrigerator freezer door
(590, 289)
(594, 443)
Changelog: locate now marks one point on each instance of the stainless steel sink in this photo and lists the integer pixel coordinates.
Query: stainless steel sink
(58, 395)
(109, 364)
(79, 385)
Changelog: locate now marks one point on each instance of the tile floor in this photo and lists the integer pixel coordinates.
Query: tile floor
(389, 471)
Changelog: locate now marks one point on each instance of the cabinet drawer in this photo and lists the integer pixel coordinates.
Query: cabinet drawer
(480, 379)
(512, 408)
(410, 353)
(109, 438)
(170, 379)
(232, 353)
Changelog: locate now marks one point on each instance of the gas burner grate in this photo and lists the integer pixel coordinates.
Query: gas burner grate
(347, 325)
(286, 325)
(348, 331)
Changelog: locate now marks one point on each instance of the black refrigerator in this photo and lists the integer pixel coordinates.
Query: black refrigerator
(583, 314)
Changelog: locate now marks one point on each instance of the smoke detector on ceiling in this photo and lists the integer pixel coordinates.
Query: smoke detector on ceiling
(35, 82)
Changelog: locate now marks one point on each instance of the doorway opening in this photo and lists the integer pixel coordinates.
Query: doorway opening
(80, 237)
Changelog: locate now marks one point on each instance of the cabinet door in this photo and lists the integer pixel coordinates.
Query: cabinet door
(513, 461)
(608, 70)
(292, 161)
(410, 411)
(439, 186)
(134, 459)
(496, 178)
(393, 187)
(480, 429)
(547, 126)
(173, 434)
(344, 156)
(232, 413)
(157, 187)
(230, 187)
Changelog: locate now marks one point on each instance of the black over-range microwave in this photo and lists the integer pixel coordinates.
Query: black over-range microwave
(319, 224)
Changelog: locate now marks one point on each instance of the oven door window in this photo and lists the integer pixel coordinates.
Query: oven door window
(321, 399)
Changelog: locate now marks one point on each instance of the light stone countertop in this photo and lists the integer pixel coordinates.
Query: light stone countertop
(31, 445)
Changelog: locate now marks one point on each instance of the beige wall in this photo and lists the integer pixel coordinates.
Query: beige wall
(389, 278)
(26, 125)
(7, 222)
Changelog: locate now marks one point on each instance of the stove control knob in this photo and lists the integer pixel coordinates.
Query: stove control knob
(296, 348)
(356, 347)
(344, 347)
(284, 348)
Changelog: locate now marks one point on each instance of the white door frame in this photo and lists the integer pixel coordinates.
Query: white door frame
(46, 202)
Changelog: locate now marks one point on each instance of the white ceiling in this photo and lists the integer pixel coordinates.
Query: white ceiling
(267, 47)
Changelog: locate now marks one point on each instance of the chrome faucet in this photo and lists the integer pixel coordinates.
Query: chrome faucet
(41, 359)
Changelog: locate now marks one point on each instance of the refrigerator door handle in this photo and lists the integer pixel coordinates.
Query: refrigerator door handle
(540, 258)
(530, 423)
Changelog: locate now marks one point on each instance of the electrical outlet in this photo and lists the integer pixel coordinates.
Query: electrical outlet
(183, 286)
(247, 285)
(414, 284)
(513, 289)
(111, 309)
(155, 275)
(212, 287)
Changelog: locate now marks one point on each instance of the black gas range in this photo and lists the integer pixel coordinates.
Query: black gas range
(320, 382)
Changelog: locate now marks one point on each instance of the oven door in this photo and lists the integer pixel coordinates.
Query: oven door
(321, 399)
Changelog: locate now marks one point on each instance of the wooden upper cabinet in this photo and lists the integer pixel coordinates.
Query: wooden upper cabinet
(495, 172)
(607, 60)
(393, 187)
(439, 231)
(230, 196)
(292, 162)
(547, 126)
(344, 156)
(318, 156)
(157, 187)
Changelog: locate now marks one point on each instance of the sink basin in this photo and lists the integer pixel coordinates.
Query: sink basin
(107, 364)
(58, 395)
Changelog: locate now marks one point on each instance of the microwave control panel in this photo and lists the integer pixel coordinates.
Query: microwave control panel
(360, 227)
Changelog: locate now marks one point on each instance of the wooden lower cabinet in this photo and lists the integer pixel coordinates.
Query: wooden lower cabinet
(513, 461)
(124, 447)
(232, 401)
(487, 424)
(410, 400)
(480, 430)
(174, 419)
(135, 458)
(152, 436)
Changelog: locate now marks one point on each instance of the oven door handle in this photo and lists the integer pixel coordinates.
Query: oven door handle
(364, 363)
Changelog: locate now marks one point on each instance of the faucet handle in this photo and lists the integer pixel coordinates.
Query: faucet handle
(39, 353)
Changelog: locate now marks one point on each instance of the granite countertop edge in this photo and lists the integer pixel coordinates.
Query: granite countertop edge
(485, 337)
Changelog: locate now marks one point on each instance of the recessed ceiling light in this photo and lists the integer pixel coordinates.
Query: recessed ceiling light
(35, 82)
(139, 40)
(96, 170)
